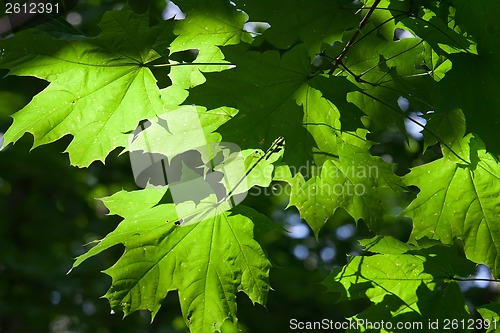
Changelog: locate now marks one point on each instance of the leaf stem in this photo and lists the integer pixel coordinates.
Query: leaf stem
(190, 64)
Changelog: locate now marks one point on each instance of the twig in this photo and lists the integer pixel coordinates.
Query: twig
(351, 41)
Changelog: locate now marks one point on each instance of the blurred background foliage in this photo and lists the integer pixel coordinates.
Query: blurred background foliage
(49, 211)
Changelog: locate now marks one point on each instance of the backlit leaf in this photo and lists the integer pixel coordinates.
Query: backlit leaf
(460, 201)
(207, 263)
(100, 87)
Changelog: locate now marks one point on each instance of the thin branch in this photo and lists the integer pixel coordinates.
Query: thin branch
(474, 279)
(331, 59)
(351, 41)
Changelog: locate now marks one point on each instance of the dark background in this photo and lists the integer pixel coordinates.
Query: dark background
(48, 211)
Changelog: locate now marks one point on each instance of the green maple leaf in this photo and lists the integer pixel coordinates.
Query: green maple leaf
(321, 115)
(345, 178)
(207, 263)
(354, 180)
(100, 87)
(435, 308)
(402, 280)
(312, 22)
(449, 128)
(470, 84)
(262, 88)
(478, 72)
(442, 34)
(274, 96)
(491, 315)
(208, 26)
(167, 133)
(322, 121)
(458, 200)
